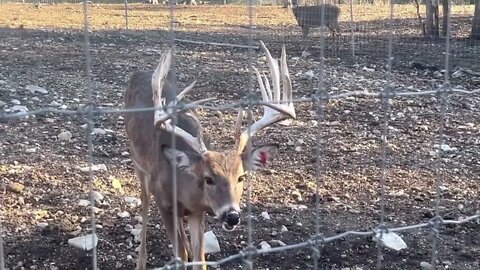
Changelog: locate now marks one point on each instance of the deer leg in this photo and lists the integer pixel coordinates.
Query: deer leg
(305, 31)
(184, 239)
(196, 225)
(168, 218)
(145, 198)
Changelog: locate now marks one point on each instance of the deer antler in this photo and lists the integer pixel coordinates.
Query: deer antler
(163, 114)
(278, 103)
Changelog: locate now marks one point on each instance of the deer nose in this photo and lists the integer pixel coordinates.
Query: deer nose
(232, 218)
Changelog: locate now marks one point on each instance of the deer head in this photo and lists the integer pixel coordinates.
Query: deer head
(221, 174)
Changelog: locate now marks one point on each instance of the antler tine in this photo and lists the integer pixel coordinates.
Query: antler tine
(286, 82)
(162, 116)
(277, 106)
(274, 71)
(159, 76)
(238, 127)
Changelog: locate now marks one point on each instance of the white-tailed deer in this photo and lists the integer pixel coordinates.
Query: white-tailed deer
(207, 180)
(311, 16)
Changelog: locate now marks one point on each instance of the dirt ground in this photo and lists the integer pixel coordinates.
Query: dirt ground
(42, 184)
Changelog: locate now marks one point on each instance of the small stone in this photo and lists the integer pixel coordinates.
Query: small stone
(277, 243)
(128, 228)
(15, 102)
(211, 243)
(123, 214)
(54, 104)
(265, 215)
(16, 187)
(296, 195)
(368, 69)
(98, 226)
(36, 89)
(97, 196)
(135, 232)
(42, 225)
(298, 149)
(283, 229)
(30, 150)
(302, 207)
(97, 167)
(83, 203)
(265, 246)
(125, 154)
(299, 224)
(64, 136)
(86, 242)
(426, 266)
(21, 201)
(129, 257)
(133, 201)
(139, 219)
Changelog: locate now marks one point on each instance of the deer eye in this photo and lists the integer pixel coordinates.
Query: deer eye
(241, 179)
(209, 181)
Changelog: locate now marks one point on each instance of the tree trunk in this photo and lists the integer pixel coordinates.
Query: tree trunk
(476, 21)
(429, 18)
(446, 7)
(436, 23)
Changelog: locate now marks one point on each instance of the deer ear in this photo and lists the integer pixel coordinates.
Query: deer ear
(260, 157)
(181, 159)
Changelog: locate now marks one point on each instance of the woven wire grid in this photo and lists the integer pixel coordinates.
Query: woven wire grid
(312, 242)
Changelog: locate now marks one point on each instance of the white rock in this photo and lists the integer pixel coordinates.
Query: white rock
(86, 242)
(97, 167)
(123, 214)
(265, 215)
(135, 232)
(298, 149)
(98, 226)
(63, 107)
(368, 69)
(211, 244)
(30, 150)
(426, 266)
(133, 201)
(36, 89)
(128, 228)
(390, 240)
(125, 154)
(42, 225)
(277, 243)
(139, 219)
(306, 54)
(99, 131)
(19, 108)
(15, 102)
(54, 104)
(2, 103)
(2, 82)
(83, 203)
(446, 148)
(457, 74)
(310, 74)
(97, 196)
(265, 246)
(64, 136)
(284, 229)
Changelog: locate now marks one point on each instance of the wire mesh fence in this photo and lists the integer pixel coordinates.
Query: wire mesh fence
(362, 86)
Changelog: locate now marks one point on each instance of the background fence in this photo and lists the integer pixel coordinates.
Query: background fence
(386, 137)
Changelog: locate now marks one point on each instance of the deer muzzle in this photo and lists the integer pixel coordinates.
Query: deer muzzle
(230, 220)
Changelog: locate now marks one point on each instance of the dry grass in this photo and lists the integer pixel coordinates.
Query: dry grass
(195, 18)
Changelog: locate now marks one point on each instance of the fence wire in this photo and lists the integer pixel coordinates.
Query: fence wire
(315, 241)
